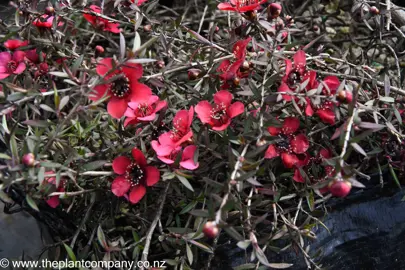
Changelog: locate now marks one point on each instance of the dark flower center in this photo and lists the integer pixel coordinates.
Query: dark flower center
(120, 87)
(144, 110)
(283, 143)
(134, 174)
(293, 78)
(12, 66)
(218, 115)
(178, 130)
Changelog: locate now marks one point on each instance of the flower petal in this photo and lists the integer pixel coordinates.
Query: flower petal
(116, 107)
(239, 49)
(333, 83)
(139, 91)
(288, 68)
(222, 127)
(299, 144)
(162, 150)
(298, 177)
(189, 164)
(226, 6)
(5, 57)
(290, 125)
(235, 109)
(160, 105)
(284, 88)
(104, 66)
(308, 108)
(188, 152)
(20, 68)
(274, 131)
(271, 152)
(132, 71)
(53, 201)
(300, 59)
(120, 164)
(203, 110)
(152, 175)
(223, 97)
(289, 160)
(120, 186)
(4, 75)
(139, 157)
(98, 92)
(326, 115)
(137, 194)
(190, 116)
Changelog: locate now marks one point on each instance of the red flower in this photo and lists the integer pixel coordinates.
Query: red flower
(228, 70)
(180, 133)
(289, 146)
(295, 72)
(143, 111)
(101, 23)
(13, 44)
(325, 110)
(11, 63)
(33, 56)
(241, 6)
(44, 21)
(54, 201)
(140, 2)
(219, 116)
(169, 153)
(134, 176)
(122, 90)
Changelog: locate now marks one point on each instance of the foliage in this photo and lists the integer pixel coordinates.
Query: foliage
(142, 123)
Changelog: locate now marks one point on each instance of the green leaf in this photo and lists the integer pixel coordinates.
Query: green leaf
(37, 123)
(188, 207)
(146, 45)
(141, 60)
(41, 175)
(201, 246)
(233, 233)
(122, 46)
(245, 266)
(70, 252)
(4, 156)
(63, 102)
(185, 182)
(101, 238)
(94, 165)
(199, 213)
(59, 74)
(387, 99)
(32, 203)
(394, 175)
(244, 244)
(189, 254)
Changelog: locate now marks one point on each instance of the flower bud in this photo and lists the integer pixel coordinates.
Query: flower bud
(210, 229)
(274, 10)
(340, 188)
(345, 96)
(28, 160)
(147, 28)
(245, 66)
(251, 15)
(99, 50)
(236, 81)
(374, 10)
(49, 11)
(160, 64)
(193, 74)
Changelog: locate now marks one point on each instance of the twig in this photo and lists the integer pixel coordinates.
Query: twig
(74, 193)
(233, 177)
(153, 225)
(388, 13)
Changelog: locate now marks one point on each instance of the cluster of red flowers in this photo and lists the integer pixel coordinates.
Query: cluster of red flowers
(296, 75)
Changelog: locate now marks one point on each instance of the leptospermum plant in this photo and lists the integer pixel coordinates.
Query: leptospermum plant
(136, 129)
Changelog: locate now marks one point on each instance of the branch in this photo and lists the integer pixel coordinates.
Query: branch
(153, 226)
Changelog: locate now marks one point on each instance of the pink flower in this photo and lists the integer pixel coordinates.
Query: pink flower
(11, 63)
(241, 6)
(181, 132)
(101, 23)
(133, 176)
(13, 44)
(124, 89)
(44, 21)
(169, 154)
(140, 2)
(289, 146)
(143, 111)
(33, 56)
(219, 116)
